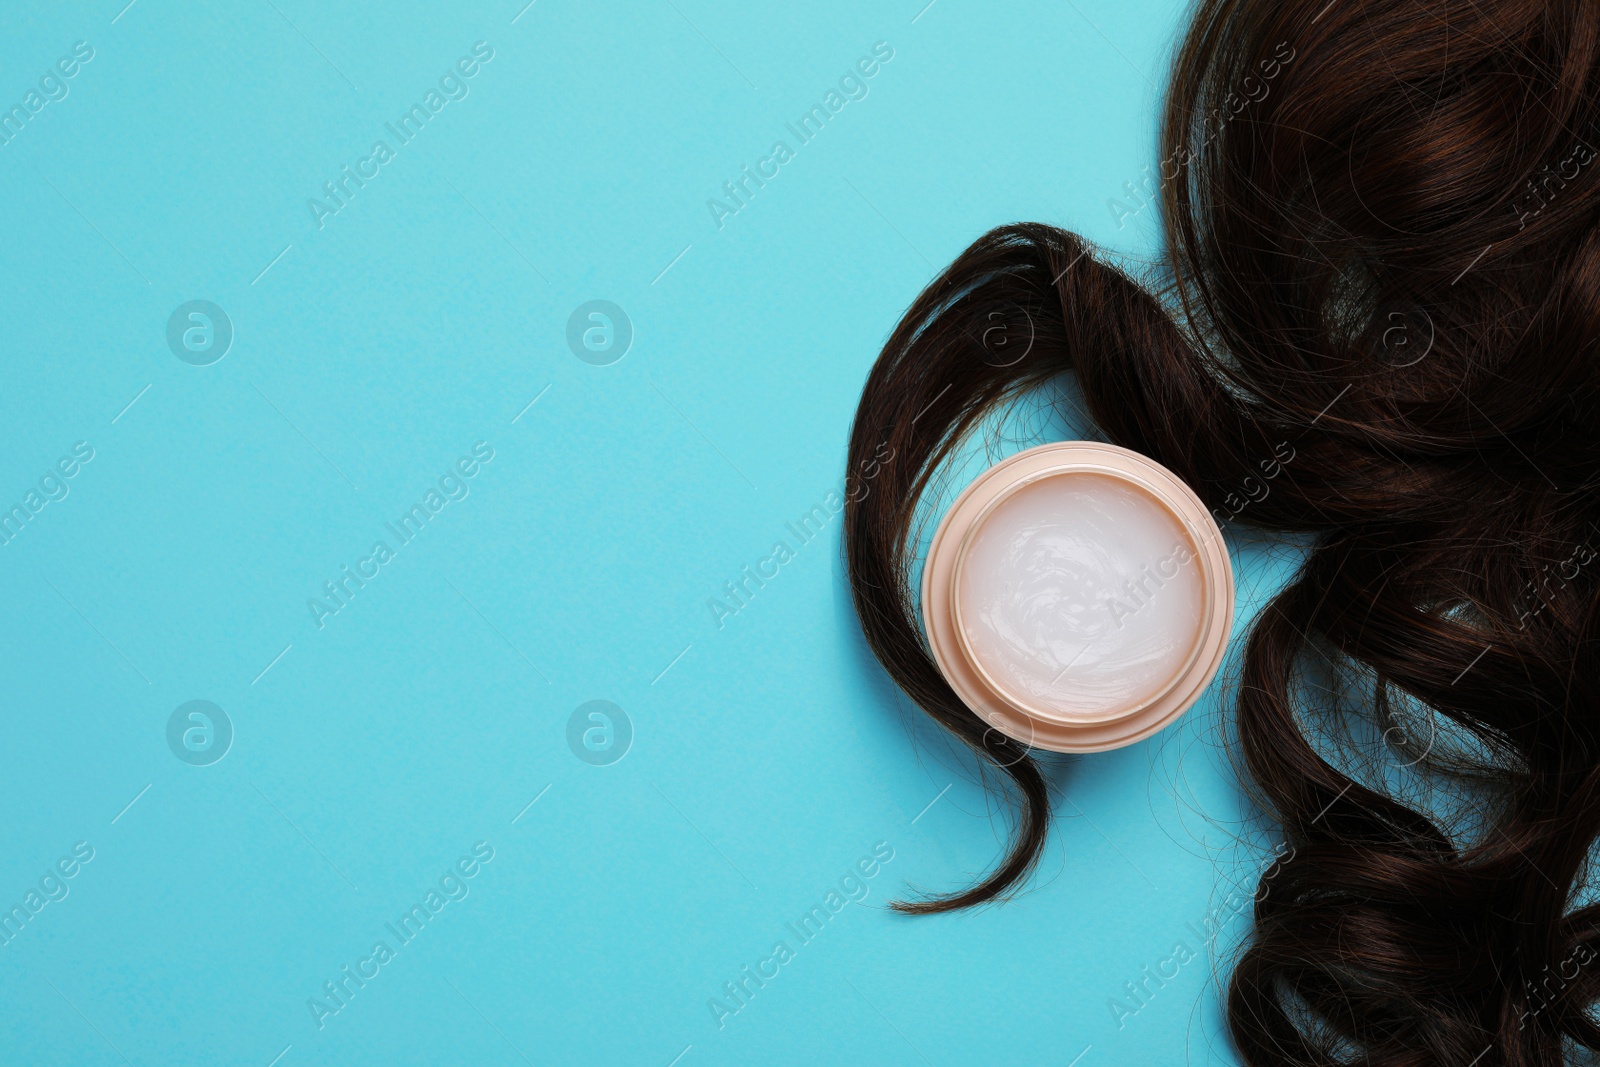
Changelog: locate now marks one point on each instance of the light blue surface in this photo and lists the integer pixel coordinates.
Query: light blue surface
(372, 753)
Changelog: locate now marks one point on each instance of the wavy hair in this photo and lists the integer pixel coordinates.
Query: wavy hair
(1382, 293)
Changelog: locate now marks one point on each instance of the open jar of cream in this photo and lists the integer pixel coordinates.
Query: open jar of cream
(1078, 596)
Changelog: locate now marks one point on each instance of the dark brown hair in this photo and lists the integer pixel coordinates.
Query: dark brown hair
(1381, 294)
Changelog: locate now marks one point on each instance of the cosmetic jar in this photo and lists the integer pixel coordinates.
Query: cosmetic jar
(1078, 596)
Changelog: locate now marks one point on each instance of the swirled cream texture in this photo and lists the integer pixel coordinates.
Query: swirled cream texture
(1081, 593)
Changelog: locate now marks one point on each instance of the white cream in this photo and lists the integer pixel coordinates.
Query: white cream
(1081, 593)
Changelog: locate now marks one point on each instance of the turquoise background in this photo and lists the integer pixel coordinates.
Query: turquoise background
(768, 755)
